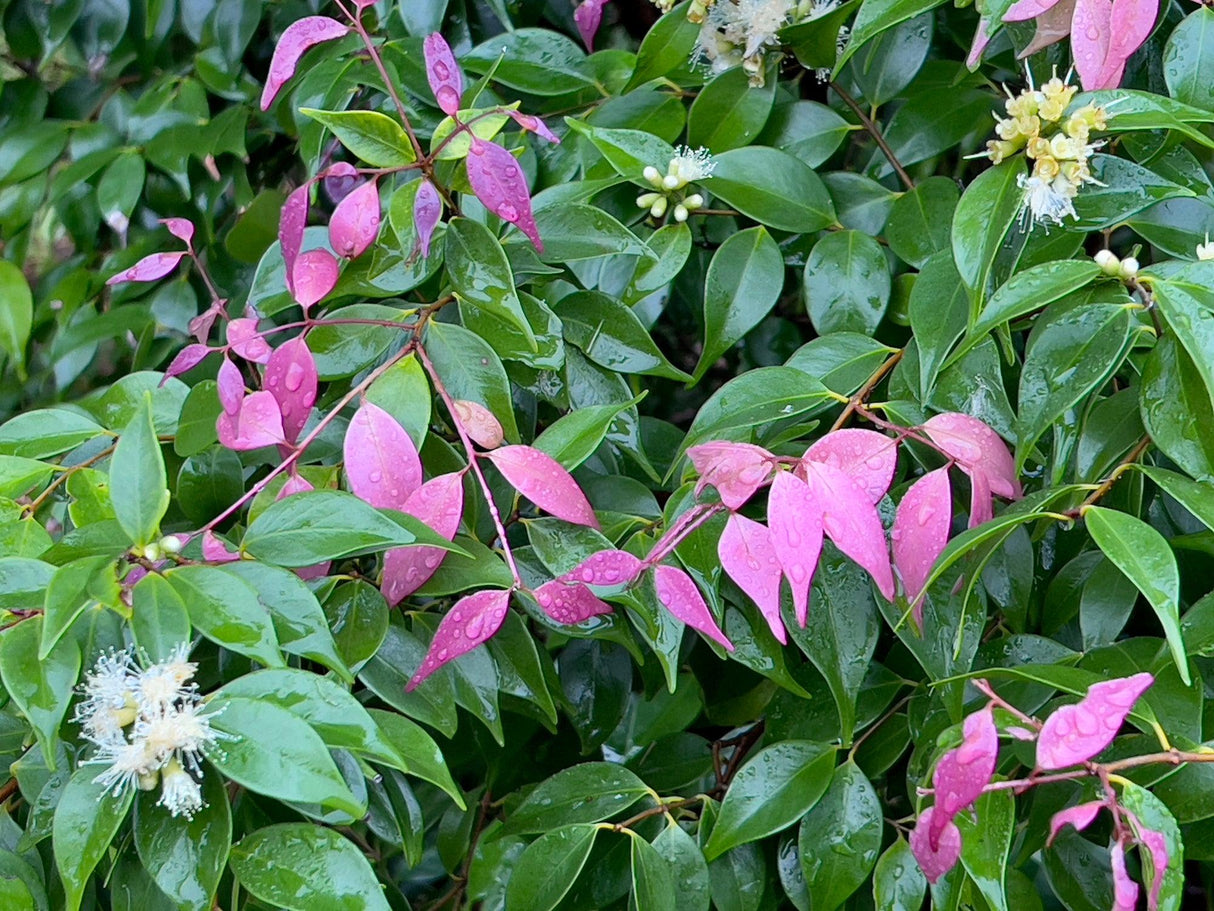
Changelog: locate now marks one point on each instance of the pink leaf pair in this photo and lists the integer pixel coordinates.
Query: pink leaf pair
(294, 43)
(354, 224)
(443, 74)
(748, 554)
(606, 568)
(256, 423)
(215, 550)
(939, 855)
(381, 460)
(543, 481)
(981, 454)
(920, 533)
(588, 17)
(865, 456)
(149, 269)
(498, 182)
(850, 520)
(440, 504)
(427, 213)
(186, 360)
(795, 520)
(963, 773)
(246, 341)
(534, 125)
(314, 275)
(471, 621)
(479, 423)
(679, 595)
(291, 378)
(568, 598)
(736, 470)
(1076, 733)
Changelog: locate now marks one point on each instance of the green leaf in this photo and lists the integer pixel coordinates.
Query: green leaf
(653, 885)
(1125, 189)
(388, 671)
(665, 47)
(771, 792)
(375, 138)
(46, 432)
(138, 462)
(16, 314)
(1135, 110)
(342, 350)
(729, 112)
(688, 866)
(815, 41)
(743, 283)
(574, 437)
(119, 189)
(533, 60)
(585, 793)
(574, 232)
(628, 151)
(938, 310)
(758, 396)
(808, 130)
(319, 525)
(70, 590)
(1186, 307)
(773, 188)
(480, 273)
(840, 837)
(226, 609)
(272, 751)
(1188, 54)
(1175, 403)
(876, 16)
(986, 838)
(1155, 815)
(423, 759)
(1196, 498)
(41, 688)
(471, 370)
(548, 868)
(898, 883)
(303, 867)
(186, 857)
(846, 283)
(610, 334)
(920, 221)
(23, 582)
(841, 360)
(1144, 556)
(86, 820)
(986, 211)
(18, 475)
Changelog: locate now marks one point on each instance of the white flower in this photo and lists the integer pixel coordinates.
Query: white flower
(108, 704)
(166, 682)
(180, 733)
(1047, 201)
(738, 32)
(760, 20)
(691, 165)
(128, 763)
(1205, 252)
(180, 792)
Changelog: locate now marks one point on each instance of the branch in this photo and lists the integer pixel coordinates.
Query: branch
(875, 133)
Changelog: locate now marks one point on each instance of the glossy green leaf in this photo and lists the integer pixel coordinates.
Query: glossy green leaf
(17, 314)
(653, 883)
(376, 138)
(186, 857)
(983, 216)
(729, 112)
(1189, 53)
(472, 371)
(920, 221)
(138, 461)
(773, 188)
(610, 334)
(986, 838)
(86, 820)
(225, 609)
(547, 869)
(480, 273)
(757, 397)
(688, 866)
(847, 283)
(840, 837)
(41, 688)
(898, 883)
(585, 793)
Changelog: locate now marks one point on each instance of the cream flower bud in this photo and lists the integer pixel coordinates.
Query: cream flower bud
(658, 209)
(680, 213)
(693, 202)
(672, 181)
(1205, 252)
(652, 175)
(1108, 262)
(1129, 267)
(645, 200)
(171, 544)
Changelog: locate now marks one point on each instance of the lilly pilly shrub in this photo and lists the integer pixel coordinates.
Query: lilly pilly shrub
(763, 462)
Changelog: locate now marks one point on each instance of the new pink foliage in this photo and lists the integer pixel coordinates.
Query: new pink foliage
(569, 602)
(920, 532)
(187, 359)
(257, 423)
(1076, 733)
(181, 228)
(679, 595)
(381, 459)
(607, 567)
(149, 269)
(498, 183)
(294, 43)
(962, 773)
(427, 212)
(749, 557)
(534, 125)
(1080, 817)
(314, 275)
(215, 551)
(796, 536)
(354, 224)
(291, 378)
(865, 456)
(1157, 855)
(939, 855)
(541, 479)
(291, 223)
(1125, 890)
(296, 483)
(246, 341)
(981, 454)
(446, 81)
(736, 470)
(230, 387)
(440, 504)
(478, 422)
(587, 17)
(850, 519)
(470, 622)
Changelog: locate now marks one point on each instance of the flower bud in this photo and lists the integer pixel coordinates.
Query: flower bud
(672, 181)
(1205, 252)
(1108, 262)
(1129, 267)
(680, 213)
(152, 552)
(695, 200)
(652, 175)
(645, 200)
(658, 209)
(171, 544)
(148, 781)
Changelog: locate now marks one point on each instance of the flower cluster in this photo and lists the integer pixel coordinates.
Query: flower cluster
(148, 726)
(1056, 143)
(1069, 738)
(740, 32)
(687, 166)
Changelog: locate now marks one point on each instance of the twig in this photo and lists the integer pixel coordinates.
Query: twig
(1107, 484)
(857, 401)
(875, 132)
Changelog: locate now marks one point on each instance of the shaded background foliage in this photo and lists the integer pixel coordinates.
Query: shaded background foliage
(789, 773)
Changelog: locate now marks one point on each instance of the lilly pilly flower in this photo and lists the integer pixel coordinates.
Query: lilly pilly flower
(1205, 252)
(686, 166)
(149, 727)
(740, 32)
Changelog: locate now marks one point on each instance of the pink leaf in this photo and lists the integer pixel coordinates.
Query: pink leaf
(935, 856)
(920, 532)
(187, 359)
(181, 228)
(381, 460)
(294, 42)
(1091, 24)
(534, 125)
(340, 179)
(291, 224)
(247, 342)
(1076, 733)
(1080, 817)
(472, 621)
(607, 568)
(1110, 76)
(258, 424)
(427, 212)
(315, 274)
(541, 479)
(1130, 26)
(215, 551)
(149, 269)
(354, 224)
(981, 39)
(587, 17)
(865, 456)
(498, 183)
(981, 505)
(1125, 890)
(1051, 26)
(291, 378)
(478, 422)
(446, 81)
(1027, 9)
(679, 595)
(296, 483)
(850, 519)
(569, 603)
(231, 387)
(736, 470)
(796, 535)
(1157, 854)
(748, 555)
(200, 326)
(973, 445)
(962, 773)
(440, 504)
